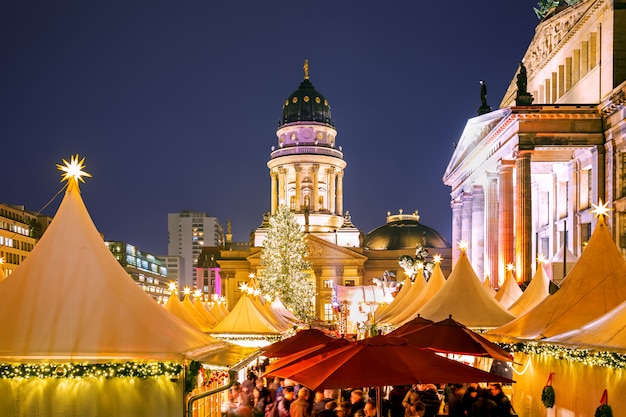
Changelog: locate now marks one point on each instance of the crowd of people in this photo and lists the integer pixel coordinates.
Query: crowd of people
(284, 398)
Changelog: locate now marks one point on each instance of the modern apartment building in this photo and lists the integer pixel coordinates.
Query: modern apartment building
(17, 236)
(147, 270)
(188, 232)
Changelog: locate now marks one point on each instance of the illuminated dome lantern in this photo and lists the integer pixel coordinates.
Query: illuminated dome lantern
(404, 231)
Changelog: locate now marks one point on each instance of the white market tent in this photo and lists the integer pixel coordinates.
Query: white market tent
(509, 292)
(69, 311)
(537, 290)
(595, 285)
(407, 310)
(465, 298)
(382, 314)
(70, 299)
(245, 319)
(556, 268)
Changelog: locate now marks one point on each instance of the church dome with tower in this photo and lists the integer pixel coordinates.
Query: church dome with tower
(404, 231)
(306, 104)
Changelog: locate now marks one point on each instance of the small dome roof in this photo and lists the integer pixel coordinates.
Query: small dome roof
(404, 231)
(306, 104)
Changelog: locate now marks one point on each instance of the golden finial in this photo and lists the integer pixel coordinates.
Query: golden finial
(73, 170)
(306, 69)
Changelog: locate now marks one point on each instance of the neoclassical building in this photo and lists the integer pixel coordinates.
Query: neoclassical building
(524, 177)
(306, 170)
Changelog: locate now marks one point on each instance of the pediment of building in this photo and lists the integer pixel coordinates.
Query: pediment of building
(321, 251)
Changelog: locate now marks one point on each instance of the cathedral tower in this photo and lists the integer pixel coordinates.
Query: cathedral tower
(306, 169)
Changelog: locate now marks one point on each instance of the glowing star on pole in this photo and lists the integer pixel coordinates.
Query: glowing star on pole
(73, 170)
(463, 245)
(601, 209)
(437, 258)
(541, 259)
(510, 267)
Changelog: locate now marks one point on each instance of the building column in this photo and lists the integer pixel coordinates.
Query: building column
(316, 204)
(491, 229)
(340, 192)
(523, 218)
(457, 213)
(281, 186)
(331, 190)
(478, 230)
(506, 239)
(466, 222)
(298, 169)
(274, 197)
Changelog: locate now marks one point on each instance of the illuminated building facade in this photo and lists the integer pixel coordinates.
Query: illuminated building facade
(147, 270)
(188, 232)
(523, 177)
(17, 236)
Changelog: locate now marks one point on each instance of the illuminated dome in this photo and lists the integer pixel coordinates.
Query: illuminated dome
(404, 231)
(306, 104)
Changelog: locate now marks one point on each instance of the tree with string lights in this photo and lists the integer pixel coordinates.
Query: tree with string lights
(283, 258)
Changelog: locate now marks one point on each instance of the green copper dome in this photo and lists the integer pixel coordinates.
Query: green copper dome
(306, 104)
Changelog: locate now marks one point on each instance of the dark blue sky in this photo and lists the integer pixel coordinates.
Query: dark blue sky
(175, 104)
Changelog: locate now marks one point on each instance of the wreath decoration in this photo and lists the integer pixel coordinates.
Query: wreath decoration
(547, 395)
(604, 409)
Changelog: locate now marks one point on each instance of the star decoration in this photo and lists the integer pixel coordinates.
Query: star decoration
(437, 258)
(541, 259)
(601, 209)
(510, 267)
(73, 170)
(463, 245)
(172, 287)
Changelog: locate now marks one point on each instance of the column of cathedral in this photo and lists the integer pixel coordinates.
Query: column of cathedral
(331, 191)
(506, 240)
(340, 192)
(298, 169)
(523, 217)
(273, 199)
(491, 228)
(457, 213)
(466, 222)
(477, 243)
(282, 172)
(316, 204)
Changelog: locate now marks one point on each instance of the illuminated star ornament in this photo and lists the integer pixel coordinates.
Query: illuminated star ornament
(73, 170)
(601, 210)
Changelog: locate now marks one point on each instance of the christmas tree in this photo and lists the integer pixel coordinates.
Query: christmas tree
(284, 264)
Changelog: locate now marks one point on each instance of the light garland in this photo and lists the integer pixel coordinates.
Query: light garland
(588, 357)
(90, 370)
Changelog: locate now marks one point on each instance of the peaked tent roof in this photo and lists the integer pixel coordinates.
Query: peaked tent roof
(436, 281)
(279, 308)
(70, 299)
(244, 318)
(176, 308)
(537, 290)
(509, 292)
(407, 310)
(594, 286)
(466, 298)
(384, 314)
(607, 332)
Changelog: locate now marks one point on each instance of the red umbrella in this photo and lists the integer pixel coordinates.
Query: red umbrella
(305, 354)
(450, 336)
(303, 339)
(381, 361)
(414, 325)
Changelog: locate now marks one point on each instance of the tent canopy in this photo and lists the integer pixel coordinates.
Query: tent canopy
(70, 299)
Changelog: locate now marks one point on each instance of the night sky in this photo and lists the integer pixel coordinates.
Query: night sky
(175, 104)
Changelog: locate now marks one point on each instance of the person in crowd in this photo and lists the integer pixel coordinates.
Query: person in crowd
(260, 397)
(301, 407)
(469, 396)
(369, 409)
(431, 400)
(319, 403)
(410, 398)
(455, 401)
(395, 398)
(503, 403)
(357, 402)
(285, 402)
(250, 381)
(329, 409)
(484, 406)
(343, 410)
